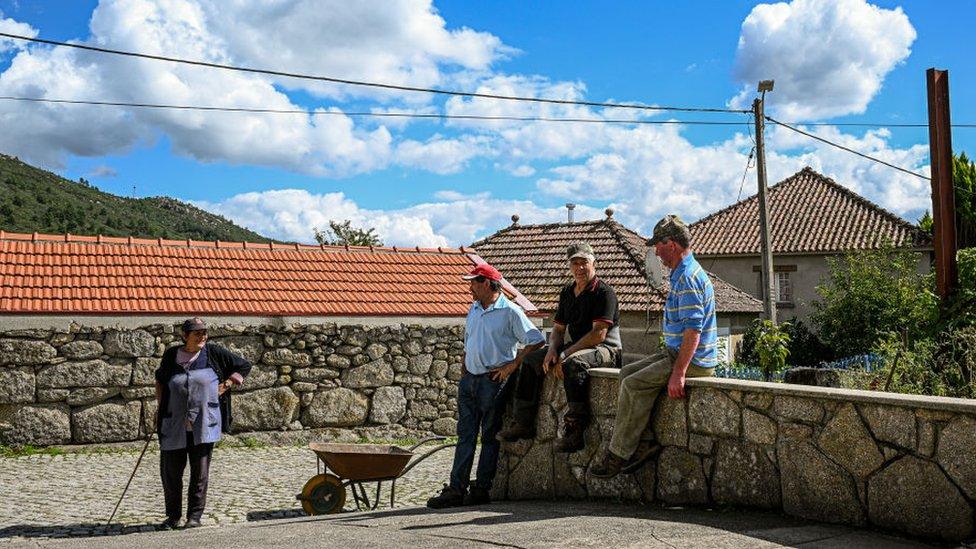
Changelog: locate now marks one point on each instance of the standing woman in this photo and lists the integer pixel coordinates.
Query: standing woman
(194, 408)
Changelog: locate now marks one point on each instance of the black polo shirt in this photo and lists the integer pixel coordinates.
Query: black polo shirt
(597, 302)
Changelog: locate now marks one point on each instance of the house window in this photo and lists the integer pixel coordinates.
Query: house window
(784, 287)
(782, 282)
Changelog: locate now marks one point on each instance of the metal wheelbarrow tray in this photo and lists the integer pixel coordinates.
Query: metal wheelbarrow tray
(354, 464)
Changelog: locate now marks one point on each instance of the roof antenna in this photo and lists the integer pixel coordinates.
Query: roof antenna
(570, 206)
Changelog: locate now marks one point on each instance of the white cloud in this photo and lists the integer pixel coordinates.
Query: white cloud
(406, 42)
(898, 192)
(402, 42)
(828, 57)
(9, 26)
(457, 221)
(441, 155)
(104, 171)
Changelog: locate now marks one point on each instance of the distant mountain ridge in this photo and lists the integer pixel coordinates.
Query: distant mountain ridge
(35, 200)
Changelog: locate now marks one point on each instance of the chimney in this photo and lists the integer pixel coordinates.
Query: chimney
(570, 206)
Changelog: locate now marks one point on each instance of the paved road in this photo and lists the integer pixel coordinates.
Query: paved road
(72, 494)
(514, 524)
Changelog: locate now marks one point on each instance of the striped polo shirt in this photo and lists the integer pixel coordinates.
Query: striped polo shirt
(691, 304)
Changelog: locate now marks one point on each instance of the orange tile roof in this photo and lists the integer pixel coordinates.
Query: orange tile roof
(808, 213)
(59, 274)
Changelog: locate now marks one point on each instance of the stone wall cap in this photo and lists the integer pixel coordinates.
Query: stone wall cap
(962, 405)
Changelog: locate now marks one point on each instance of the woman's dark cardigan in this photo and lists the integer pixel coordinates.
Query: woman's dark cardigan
(220, 360)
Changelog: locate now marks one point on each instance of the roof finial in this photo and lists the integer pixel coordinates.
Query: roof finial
(570, 207)
(609, 212)
(515, 218)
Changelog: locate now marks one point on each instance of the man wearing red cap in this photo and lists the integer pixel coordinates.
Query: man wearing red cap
(494, 329)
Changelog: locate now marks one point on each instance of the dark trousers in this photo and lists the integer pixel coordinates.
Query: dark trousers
(576, 380)
(172, 463)
(480, 407)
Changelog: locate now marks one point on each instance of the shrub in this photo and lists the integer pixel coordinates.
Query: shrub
(925, 367)
(772, 347)
(869, 294)
(805, 347)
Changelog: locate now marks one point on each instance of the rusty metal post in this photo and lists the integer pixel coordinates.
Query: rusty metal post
(943, 195)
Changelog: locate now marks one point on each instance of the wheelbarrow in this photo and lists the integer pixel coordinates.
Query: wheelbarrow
(352, 465)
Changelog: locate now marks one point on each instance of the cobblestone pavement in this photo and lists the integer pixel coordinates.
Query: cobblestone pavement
(74, 494)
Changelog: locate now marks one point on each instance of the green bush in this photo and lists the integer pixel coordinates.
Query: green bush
(928, 366)
(806, 349)
(869, 294)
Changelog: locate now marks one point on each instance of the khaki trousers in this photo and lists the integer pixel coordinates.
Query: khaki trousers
(640, 383)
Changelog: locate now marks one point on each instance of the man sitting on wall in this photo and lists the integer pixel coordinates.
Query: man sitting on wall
(588, 312)
(493, 329)
(690, 337)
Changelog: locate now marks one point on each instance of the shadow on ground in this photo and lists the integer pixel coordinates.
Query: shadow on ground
(476, 524)
(83, 529)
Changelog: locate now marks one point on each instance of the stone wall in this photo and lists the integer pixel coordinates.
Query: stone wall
(896, 462)
(89, 384)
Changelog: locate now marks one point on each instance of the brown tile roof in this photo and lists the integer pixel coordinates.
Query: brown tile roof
(59, 274)
(533, 258)
(809, 213)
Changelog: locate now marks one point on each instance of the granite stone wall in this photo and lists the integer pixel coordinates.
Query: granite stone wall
(94, 385)
(897, 462)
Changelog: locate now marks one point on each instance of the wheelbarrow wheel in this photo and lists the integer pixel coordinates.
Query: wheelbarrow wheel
(323, 494)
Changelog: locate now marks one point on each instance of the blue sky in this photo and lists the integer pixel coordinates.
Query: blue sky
(449, 183)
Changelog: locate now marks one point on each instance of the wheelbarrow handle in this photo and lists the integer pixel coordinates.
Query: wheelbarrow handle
(425, 441)
(424, 456)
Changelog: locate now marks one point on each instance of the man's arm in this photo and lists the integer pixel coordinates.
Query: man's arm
(555, 342)
(501, 374)
(594, 337)
(689, 343)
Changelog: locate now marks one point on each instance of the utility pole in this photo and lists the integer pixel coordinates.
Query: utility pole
(765, 247)
(943, 195)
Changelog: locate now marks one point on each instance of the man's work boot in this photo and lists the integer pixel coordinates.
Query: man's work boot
(477, 496)
(645, 451)
(517, 430)
(449, 497)
(572, 439)
(609, 467)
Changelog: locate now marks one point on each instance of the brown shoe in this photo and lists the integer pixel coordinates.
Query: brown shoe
(572, 439)
(609, 467)
(517, 430)
(645, 451)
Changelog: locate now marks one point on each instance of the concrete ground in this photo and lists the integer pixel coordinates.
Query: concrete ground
(511, 524)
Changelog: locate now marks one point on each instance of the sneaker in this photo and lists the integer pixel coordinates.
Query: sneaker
(449, 497)
(645, 451)
(192, 523)
(517, 430)
(609, 467)
(169, 524)
(572, 439)
(477, 496)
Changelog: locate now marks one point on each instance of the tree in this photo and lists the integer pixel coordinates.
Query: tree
(344, 234)
(869, 294)
(964, 182)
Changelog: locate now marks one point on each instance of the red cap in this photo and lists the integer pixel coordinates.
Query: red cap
(484, 270)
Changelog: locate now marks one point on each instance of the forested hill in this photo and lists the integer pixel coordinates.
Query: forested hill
(32, 199)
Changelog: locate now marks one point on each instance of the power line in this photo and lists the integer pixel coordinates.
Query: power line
(842, 147)
(367, 114)
(873, 125)
(365, 83)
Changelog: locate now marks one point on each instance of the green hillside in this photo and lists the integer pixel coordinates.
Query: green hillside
(32, 199)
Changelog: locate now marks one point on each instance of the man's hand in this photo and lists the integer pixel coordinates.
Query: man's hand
(676, 384)
(553, 364)
(502, 372)
(223, 387)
